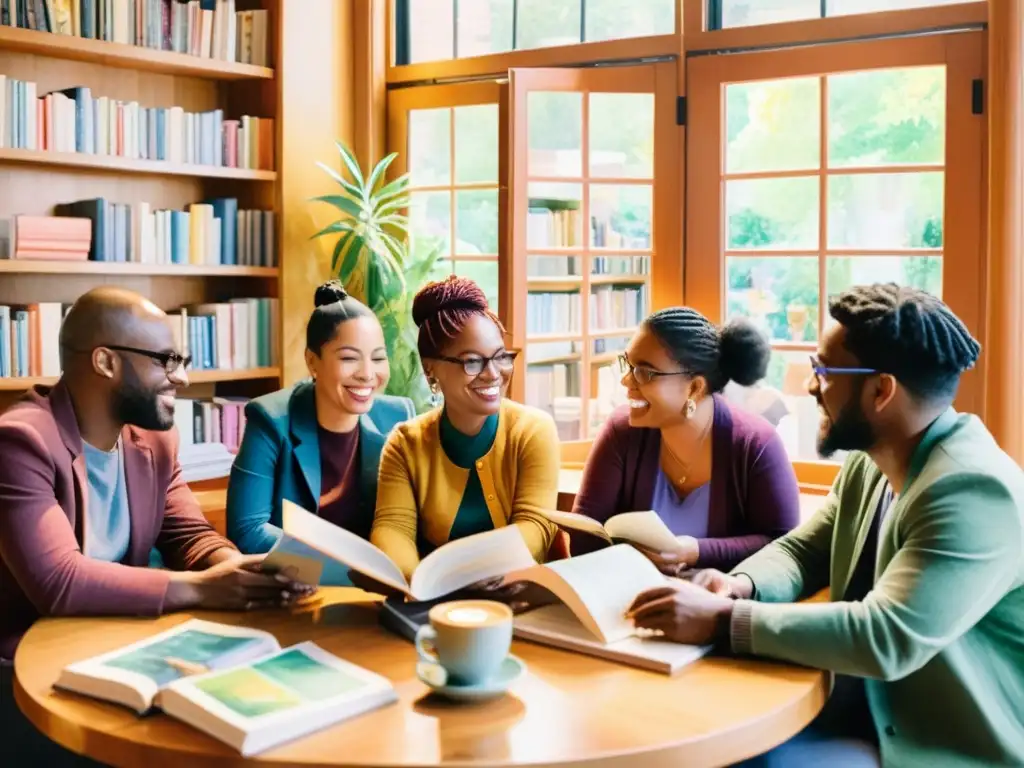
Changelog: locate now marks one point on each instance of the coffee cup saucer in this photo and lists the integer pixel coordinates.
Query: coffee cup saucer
(435, 677)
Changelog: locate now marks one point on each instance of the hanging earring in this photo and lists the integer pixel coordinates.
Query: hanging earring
(435, 393)
(691, 408)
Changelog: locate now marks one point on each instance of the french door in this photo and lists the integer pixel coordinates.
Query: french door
(818, 168)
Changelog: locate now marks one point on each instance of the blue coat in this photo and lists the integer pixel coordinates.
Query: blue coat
(280, 459)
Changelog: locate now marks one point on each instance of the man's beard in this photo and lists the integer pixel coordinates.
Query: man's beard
(138, 406)
(850, 431)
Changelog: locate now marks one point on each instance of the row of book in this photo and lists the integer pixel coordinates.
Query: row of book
(555, 312)
(213, 232)
(556, 389)
(546, 228)
(73, 120)
(210, 431)
(205, 28)
(235, 335)
(612, 308)
(600, 266)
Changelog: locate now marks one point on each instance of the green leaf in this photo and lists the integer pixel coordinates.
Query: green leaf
(336, 228)
(378, 172)
(353, 166)
(339, 248)
(344, 204)
(392, 191)
(348, 266)
(347, 185)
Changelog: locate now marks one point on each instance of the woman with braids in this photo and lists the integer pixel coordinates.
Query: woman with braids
(719, 477)
(318, 443)
(476, 462)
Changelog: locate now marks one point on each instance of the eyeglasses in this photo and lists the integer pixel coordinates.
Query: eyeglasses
(171, 361)
(822, 371)
(474, 365)
(644, 375)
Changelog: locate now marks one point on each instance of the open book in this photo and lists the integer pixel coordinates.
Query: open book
(234, 683)
(643, 528)
(594, 591)
(321, 553)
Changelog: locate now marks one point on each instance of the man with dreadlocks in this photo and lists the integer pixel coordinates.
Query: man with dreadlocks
(920, 543)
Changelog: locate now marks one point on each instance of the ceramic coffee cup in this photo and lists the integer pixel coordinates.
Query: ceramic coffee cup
(468, 638)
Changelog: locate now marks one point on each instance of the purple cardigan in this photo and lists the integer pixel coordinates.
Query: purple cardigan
(753, 497)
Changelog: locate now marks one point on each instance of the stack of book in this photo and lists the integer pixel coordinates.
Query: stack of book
(73, 120)
(28, 339)
(211, 232)
(205, 28)
(47, 238)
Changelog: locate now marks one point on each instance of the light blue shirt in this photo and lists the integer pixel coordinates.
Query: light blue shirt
(107, 524)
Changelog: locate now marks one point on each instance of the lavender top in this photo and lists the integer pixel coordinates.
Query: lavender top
(684, 517)
(752, 495)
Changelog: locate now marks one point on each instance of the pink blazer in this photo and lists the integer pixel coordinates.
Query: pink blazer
(43, 492)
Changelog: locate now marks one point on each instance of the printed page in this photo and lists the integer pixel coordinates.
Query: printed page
(466, 561)
(643, 528)
(335, 547)
(572, 521)
(193, 647)
(605, 583)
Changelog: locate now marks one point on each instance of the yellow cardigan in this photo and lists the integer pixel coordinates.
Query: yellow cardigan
(419, 486)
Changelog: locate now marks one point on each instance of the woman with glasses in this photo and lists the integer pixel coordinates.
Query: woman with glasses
(475, 462)
(318, 443)
(718, 476)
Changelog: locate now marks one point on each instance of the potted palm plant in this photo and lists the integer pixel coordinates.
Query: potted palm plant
(374, 262)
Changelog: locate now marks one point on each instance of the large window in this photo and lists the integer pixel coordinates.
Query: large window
(447, 139)
(828, 179)
(434, 30)
(741, 13)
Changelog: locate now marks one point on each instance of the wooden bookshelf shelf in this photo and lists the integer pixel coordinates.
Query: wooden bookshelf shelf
(17, 383)
(129, 269)
(126, 56)
(618, 279)
(117, 164)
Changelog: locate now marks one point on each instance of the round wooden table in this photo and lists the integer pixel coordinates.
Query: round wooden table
(567, 709)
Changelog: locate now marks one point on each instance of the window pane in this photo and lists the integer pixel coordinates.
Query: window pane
(617, 306)
(885, 210)
(430, 220)
(887, 116)
(476, 222)
(547, 22)
(554, 219)
(612, 19)
(848, 7)
(484, 274)
(772, 213)
(782, 398)
(743, 13)
(779, 294)
(431, 30)
(553, 312)
(554, 134)
(620, 216)
(924, 272)
(442, 268)
(773, 125)
(555, 388)
(476, 143)
(430, 151)
(622, 135)
(485, 26)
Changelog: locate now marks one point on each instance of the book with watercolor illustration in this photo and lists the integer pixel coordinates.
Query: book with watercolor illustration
(587, 613)
(321, 553)
(234, 683)
(643, 528)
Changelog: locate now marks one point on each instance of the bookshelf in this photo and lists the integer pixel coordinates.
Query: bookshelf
(35, 181)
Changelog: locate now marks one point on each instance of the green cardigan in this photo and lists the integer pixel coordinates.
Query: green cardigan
(940, 638)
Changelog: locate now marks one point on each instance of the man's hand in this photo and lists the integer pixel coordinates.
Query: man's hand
(238, 583)
(685, 613)
(674, 562)
(739, 587)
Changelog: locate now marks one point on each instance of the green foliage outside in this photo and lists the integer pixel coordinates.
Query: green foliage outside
(372, 260)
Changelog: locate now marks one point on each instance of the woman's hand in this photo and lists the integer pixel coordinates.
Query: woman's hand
(674, 562)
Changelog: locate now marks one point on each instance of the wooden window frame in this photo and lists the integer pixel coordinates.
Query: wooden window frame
(964, 236)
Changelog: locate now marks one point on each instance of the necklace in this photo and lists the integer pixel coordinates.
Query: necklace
(681, 481)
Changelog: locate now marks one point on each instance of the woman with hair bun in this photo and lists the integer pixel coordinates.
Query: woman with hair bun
(318, 443)
(718, 476)
(476, 462)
